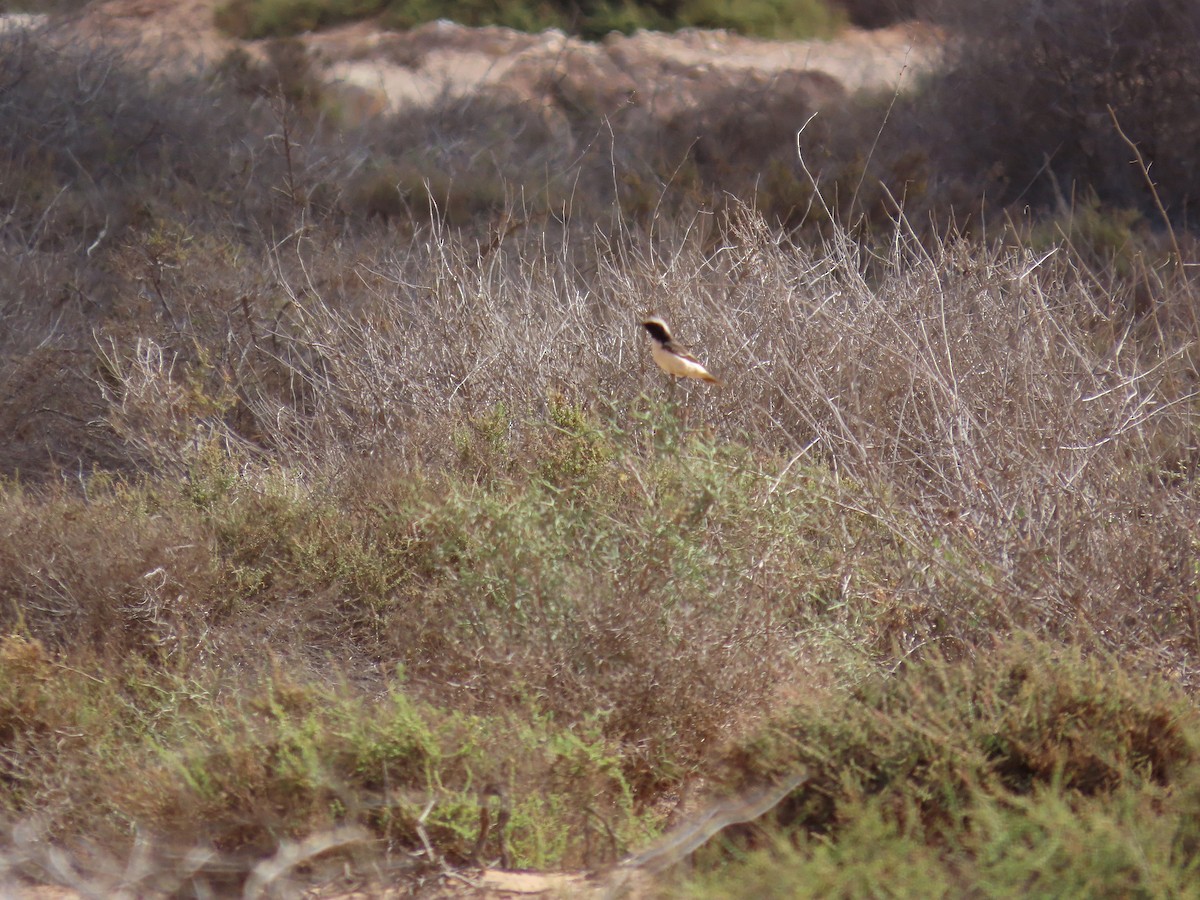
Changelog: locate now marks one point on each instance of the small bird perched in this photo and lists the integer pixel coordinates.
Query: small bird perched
(672, 357)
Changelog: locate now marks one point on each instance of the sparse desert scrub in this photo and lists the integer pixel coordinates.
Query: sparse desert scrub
(356, 520)
(221, 772)
(462, 464)
(566, 596)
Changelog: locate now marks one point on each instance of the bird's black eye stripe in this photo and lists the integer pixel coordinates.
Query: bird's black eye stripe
(656, 331)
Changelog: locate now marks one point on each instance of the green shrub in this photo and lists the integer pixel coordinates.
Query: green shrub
(281, 18)
(1024, 769)
(763, 18)
(767, 18)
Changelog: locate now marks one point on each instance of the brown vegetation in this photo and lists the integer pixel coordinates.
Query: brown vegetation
(342, 500)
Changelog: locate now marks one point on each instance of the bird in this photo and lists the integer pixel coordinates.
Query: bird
(672, 357)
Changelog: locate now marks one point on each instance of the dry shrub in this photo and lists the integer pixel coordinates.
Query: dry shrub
(1003, 410)
(104, 576)
(1035, 453)
(994, 725)
(558, 582)
(93, 140)
(1020, 116)
(880, 13)
(51, 417)
(116, 180)
(1012, 432)
(1030, 89)
(463, 161)
(472, 482)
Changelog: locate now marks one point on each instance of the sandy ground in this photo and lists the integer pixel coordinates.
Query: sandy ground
(443, 59)
(634, 878)
(447, 65)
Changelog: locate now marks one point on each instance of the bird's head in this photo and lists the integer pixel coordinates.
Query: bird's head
(657, 329)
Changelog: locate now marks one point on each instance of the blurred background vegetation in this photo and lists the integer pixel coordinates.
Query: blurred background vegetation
(764, 18)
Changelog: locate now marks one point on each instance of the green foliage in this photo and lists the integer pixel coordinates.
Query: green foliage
(764, 18)
(1029, 770)
(579, 450)
(280, 18)
(1111, 240)
(767, 18)
(483, 444)
(874, 855)
(1133, 842)
(1050, 845)
(245, 773)
(533, 546)
(589, 555)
